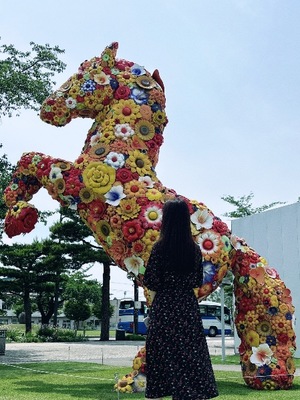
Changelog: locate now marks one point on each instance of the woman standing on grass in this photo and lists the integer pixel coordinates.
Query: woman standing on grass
(177, 357)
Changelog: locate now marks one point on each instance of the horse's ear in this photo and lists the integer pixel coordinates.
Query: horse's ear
(158, 79)
(109, 53)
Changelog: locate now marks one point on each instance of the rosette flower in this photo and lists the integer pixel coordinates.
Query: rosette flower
(99, 177)
(20, 219)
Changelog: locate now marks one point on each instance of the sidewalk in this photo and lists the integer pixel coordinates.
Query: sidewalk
(114, 353)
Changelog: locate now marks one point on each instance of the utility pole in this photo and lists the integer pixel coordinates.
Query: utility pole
(136, 308)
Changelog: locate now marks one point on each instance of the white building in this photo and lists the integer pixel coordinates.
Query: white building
(275, 235)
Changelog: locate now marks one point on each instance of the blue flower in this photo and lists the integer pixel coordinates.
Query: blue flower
(155, 107)
(209, 271)
(289, 316)
(88, 86)
(137, 70)
(264, 370)
(114, 84)
(273, 310)
(139, 96)
(271, 340)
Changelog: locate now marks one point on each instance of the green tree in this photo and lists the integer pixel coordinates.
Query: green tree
(19, 274)
(26, 77)
(81, 295)
(71, 229)
(6, 169)
(244, 206)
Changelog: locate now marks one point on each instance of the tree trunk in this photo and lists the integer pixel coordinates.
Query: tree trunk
(56, 300)
(46, 315)
(105, 303)
(27, 310)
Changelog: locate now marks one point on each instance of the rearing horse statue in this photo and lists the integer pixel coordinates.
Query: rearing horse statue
(114, 188)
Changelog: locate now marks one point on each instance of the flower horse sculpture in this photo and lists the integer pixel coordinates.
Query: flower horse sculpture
(114, 188)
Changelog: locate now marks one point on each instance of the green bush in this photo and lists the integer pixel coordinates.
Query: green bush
(52, 334)
(133, 336)
(13, 334)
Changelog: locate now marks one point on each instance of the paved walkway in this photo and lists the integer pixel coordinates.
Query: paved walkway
(118, 353)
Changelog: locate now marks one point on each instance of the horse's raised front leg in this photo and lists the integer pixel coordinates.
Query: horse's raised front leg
(264, 321)
(34, 170)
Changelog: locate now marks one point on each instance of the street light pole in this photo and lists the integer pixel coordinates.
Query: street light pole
(224, 283)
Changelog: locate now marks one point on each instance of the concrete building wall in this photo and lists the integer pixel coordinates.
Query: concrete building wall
(275, 235)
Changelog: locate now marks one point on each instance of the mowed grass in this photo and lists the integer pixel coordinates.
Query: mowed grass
(75, 380)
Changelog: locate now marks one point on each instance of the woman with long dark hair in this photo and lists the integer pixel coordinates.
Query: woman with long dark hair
(177, 357)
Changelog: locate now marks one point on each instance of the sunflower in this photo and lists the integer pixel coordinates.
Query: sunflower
(139, 162)
(103, 229)
(290, 366)
(144, 129)
(86, 195)
(60, 185)
(264, 328)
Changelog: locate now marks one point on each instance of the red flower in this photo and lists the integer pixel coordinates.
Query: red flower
(24, 223)
(124, 175)
(122, 92)
(13, 226)
(29, 217)
(220, 227)
(132, 230)
(97, 209)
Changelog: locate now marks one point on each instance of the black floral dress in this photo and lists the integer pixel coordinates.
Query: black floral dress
(177, 357)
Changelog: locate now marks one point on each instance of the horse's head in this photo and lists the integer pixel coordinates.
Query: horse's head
(124, 98)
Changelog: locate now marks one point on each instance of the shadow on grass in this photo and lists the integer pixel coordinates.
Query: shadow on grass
(232, 389)
(81, 391)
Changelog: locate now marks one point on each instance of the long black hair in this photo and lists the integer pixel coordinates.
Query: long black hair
(176, 242)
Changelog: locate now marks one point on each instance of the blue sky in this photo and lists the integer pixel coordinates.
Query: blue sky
(231, 73)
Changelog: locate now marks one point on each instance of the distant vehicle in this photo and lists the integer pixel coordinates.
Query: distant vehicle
(126, 316)
(210, 312)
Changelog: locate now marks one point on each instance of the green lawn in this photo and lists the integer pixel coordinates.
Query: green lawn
(72, 381)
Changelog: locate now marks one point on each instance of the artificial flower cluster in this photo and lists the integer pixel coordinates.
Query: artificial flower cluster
(114, 188)
(135, 381)
(264, 321)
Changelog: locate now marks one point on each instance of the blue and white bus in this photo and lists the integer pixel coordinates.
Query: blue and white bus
(210, 312)
(126, 316)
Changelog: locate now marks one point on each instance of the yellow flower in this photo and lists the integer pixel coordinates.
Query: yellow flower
(290, 365)
(107, 135)
(137, 363)
(99, 177)
(252, 338)
(60, 185)
(126, 111)
(139, 162)
(150, 237)
(86, 195)
(103, 229)
(128, 208)
(159, 118)
(135, 189)
(144, 129)
(274, 301)
(251, 319)
(153, 194)
(264, 328)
